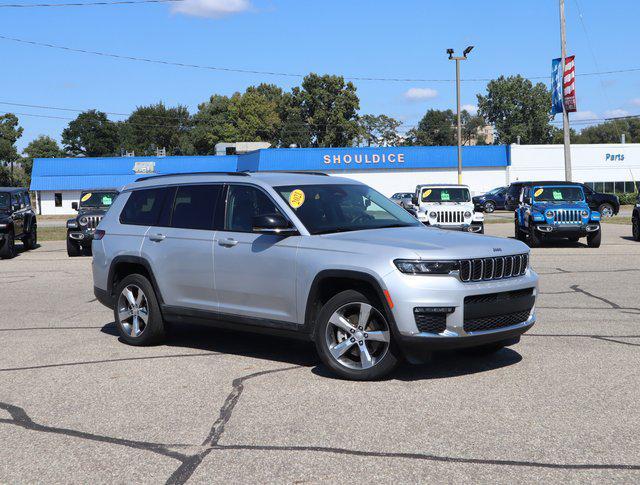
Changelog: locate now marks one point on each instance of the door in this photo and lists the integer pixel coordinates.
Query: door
(18, 213)
(501, 198)
(180, 247)
(255, 274)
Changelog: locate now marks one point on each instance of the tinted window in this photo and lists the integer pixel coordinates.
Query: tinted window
(451, 194)
(194, 206)
(243, 204)
(4, 199)
(143, 207)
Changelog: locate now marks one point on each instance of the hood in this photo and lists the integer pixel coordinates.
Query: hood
(544, 206)
(424, 242)
(91, 211)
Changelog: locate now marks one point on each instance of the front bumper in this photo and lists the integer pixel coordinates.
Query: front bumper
(567, 230)
(473, 227)
(83, 237)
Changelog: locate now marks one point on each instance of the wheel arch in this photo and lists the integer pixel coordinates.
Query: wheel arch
(330, 282)
(122, 266)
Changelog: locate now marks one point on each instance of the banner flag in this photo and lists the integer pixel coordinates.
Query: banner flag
(570, 84)
(556, 89)
(563, 87)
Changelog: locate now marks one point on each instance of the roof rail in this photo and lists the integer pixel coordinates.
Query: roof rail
(149, 177)
(300, 172)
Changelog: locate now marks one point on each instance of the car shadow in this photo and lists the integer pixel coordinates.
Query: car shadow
(628, 238)
(298, 352)
(559, 243)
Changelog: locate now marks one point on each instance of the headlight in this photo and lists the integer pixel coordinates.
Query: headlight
(433, 215)
(549, 214)
(585, 213)
(3, 226)
(72, 224)
(84, 221)
(467, 215)
(426, 267)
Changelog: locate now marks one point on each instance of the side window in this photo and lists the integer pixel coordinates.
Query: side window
(195, 206)
(26, 199)
(143, 207)
(243, 204)
(57, 199)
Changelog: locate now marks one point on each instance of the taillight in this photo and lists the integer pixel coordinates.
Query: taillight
(99, 234)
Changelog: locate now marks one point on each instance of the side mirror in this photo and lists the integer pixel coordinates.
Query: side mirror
(414, 200)
(74, 206)
(528, 200)
(273, 224)
(367, 202)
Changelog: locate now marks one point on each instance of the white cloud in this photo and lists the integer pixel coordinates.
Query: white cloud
(583, 115)
(420, 94)
(472, 109)
(635, 101)
(616, 113)
(211, 8)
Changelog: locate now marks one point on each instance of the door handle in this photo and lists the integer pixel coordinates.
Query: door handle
(157, 237)
(229, 243)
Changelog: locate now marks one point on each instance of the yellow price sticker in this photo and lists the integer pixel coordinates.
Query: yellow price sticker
(296, 198)
(538, 192)
(86, 197)
(426, 194)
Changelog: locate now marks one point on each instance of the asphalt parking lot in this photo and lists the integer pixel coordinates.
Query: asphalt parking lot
(76, 405)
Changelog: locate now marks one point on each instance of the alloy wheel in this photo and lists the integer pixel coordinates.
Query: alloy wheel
(133, 310)
(489, 207)
(606, 211)
(358, 336)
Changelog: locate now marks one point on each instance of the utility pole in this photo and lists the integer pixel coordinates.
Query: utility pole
(458, 59)
(565, 114)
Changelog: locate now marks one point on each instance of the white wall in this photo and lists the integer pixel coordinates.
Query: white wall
(391, 181)
(590, 163)
(47, 202)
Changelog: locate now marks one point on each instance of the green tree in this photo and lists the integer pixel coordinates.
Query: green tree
(470, 128)
(329, 107)
(295, 129)
(40, 147)
(256, 114)
(435, 128)
(91, 134)
(10, 132)
(155, 127)
(517, 108)
(611, 132)
(212, 124)
(381, 130)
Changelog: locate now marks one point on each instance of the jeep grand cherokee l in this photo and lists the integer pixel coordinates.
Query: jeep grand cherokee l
(322, 258)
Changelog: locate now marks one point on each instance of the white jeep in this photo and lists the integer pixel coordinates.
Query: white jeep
(448, 207)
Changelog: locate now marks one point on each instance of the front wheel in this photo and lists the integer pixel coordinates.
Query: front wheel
(73, 248)
(353, 338)
(635, 228)
(8, 249)
(31, 240)
(535, 239)
(137, 313)
(594, 239)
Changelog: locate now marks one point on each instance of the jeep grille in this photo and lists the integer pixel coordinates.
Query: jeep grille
(567, 216)
(486, 269)
(450, 217)
(93, 221)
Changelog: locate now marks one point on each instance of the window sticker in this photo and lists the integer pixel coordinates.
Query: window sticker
(557, 195)
(106, 200)
(296, 198)
(444, 195)
(426, 194)
(86, 197)
(538, 192)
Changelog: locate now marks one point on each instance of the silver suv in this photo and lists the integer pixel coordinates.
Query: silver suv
(324, 258)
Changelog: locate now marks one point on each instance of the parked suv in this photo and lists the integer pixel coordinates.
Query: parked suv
(607, 204)
(491, 201)
(323, 258)
(17, 221)
(550, 211)
(447, 207)
(403, 199)
(91, 209)
(635, 220)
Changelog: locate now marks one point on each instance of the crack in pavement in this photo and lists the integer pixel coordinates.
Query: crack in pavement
(576, 289)
(566, 271)
(605, 339)
(49, 328)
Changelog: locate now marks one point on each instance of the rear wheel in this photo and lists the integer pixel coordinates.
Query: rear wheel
(353, 338)
(635, 228)
(8, 249)
(137, 313)
(489, 206)
(606, 210)
(594, 239)
(73, 248)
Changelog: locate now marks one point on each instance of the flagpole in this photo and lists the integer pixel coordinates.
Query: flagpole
(565, 114)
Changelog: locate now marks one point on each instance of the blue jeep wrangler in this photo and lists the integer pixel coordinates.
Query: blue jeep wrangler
(556, 212)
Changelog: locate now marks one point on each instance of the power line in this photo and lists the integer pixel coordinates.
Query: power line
(270, 73)
(85, 4)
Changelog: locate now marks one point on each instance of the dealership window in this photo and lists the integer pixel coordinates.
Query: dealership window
(625, 187)
(57, 197)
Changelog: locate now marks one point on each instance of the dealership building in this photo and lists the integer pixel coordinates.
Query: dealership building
(615, 168)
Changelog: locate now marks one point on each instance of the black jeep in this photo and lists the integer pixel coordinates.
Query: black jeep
(17, 221)
(635, 220)
(91, 209)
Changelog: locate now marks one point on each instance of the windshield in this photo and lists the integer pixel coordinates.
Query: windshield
(97, 199)
(452, 194)
(4, 199)
(495, 191)
(338, 208)
(558, 194)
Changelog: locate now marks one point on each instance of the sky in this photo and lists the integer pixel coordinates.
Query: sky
(354, 38)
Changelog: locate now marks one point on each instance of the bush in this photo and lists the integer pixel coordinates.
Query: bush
(628, 199)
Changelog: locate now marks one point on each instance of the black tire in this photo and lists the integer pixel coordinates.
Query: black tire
(594, 239)
(635, 228)
(87, 251)
(489, 206)
(388, 355)
(606, 210)
(574, 239)
(520, 235)
(535, 239)
(31, 240)
(73, 248)
(151, 332)
(486, 349)
(481, 231)
(8, 249)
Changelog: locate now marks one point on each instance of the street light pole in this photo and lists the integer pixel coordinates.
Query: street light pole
(565, 115)
(458, 59)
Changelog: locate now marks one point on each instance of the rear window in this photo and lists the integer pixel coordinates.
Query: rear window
(195, 206)
(143, 207)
